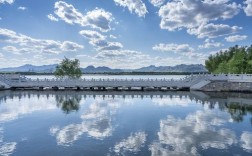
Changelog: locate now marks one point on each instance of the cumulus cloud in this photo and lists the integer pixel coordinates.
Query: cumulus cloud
(97, 18)
(248, 7)
(208, 43)
(184, 136)
(17, 51)
(92, 35)
(52, 18)
(112, 36)
(181, 49)
(120, 54)
(28, 44)
(7, 1)
(132, 144)
(213, 30)
(172, 47)
(70, 46)
(99, 41)
(135, 59)
(193, 13)
(22, 8)
(235, 38)
(157, 3)
(136, 6)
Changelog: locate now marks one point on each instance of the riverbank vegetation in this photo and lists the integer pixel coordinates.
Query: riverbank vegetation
(236, 60)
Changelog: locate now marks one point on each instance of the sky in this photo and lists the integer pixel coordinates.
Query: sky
(121, 33)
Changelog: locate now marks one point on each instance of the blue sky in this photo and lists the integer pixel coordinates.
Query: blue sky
(121, 33)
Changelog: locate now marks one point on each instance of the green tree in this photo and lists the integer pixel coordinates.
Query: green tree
(68, 69)
(235, 60)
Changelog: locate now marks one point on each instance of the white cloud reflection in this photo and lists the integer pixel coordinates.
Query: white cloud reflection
(175, 101)
(196, 131)
(96, 123)
(6, 148)
(246, 141)
(14, 108)
(132, 144)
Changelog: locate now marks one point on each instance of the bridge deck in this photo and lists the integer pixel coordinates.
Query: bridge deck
(17, 81)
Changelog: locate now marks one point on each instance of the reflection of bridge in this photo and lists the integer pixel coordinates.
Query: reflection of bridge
(193, 82)
(202, 97)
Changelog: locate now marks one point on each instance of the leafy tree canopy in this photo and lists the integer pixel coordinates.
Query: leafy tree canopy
(236, 60)
(68, 69)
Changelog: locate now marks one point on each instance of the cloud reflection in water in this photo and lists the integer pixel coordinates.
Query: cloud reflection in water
(6, 148)
(132, 144)
(96, 122)
(197, 131)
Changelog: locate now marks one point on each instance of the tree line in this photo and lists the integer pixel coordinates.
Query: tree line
(236, 60)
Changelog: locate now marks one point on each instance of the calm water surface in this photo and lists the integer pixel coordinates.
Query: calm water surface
(124, 123)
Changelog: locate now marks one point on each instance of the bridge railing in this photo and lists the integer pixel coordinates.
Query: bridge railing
(184, 82)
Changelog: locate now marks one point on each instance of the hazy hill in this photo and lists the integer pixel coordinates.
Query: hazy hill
(177, 68)
(103, 69)
(31, 68)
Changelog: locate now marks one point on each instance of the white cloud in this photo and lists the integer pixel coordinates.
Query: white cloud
(246, 140)
(197, 131)
(70, 46)
(97, 18)
(99, 41)
(52, 18)
(208, 43)
(26, 43)
(172, 47)
(136, 6)
(180, 49)
(135, 59)
(193, 13)
(22, 8)
(17, 51)
(213, 30)
(92, 35)
(248, 7)
(7, 1)
(157, 3)
(112, 37)
(235, 38)
(120, 54)
(68, 13)
(132, 144)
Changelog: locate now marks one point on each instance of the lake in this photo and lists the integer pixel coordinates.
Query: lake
(124, 123)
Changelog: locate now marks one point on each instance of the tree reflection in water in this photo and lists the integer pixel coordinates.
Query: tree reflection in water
(68, 103)
(238, 105)
(238, 111)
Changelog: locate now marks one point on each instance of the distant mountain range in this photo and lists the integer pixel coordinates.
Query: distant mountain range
(92, 69)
